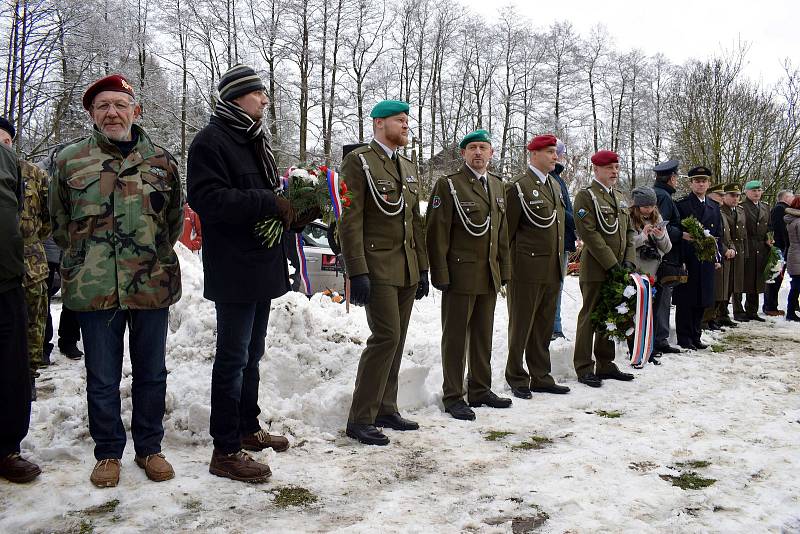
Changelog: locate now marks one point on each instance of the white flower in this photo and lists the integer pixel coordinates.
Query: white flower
(629, 331)
(301, 174)
(622, 309)
(629, 292)
(611, 327)
(706, 233)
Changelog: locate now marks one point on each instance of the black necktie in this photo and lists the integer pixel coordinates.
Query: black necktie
(396, 160)
(483, 183)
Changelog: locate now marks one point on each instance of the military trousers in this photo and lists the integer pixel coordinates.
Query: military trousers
(661, 310)
(531, 314)
(751, 303)
(587, 340)
(467, 324)
(375, 393)
(36, 301)
(688, 321)
(738, 309)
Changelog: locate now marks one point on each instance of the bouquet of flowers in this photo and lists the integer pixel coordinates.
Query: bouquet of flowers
(614, 314)
(774, 265)
(306, 188)
(705, 245)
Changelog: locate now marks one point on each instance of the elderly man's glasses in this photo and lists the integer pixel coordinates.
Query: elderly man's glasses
(105, 107)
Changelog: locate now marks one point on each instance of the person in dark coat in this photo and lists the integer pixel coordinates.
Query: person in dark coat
(792, 220)
(233, 183)
(781, 237)
(569, 232)
(697, 293)
(664, 186)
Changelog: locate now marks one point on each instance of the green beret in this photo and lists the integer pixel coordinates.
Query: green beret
(477, 135)
(387, 108)
(717, 188)
(752, 184)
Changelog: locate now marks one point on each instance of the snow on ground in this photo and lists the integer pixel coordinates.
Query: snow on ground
(562, 467)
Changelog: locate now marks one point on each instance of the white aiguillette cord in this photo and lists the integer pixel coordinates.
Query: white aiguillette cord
(546, 222)
(379, 200)
(479, 229)
(608, 229)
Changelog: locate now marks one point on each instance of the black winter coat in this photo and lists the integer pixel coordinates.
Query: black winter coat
(569, 218)
(779, 227)
(699, 290)
(226, 186)
(669, 212)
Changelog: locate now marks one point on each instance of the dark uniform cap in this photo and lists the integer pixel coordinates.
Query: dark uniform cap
(115, 82)
(387, 108)
(753, 184)
(733, 188)
(346, 149)
(477, 136)
(700, 172)
(716, 188)
(7, 126)
(667, 168)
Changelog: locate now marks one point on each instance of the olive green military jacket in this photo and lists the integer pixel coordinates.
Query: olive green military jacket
(382, 232)
(757, 223)
(738, 242)
(722, 276)
(607, 236)
(470, 264)
(12, 264)
(34, 222)
(117, 221)
(535, 228)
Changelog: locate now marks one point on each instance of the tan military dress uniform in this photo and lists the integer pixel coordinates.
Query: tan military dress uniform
(735, 218)
(722, 276)
(757, 223)
(535, 217)
(382, 235)
(468, 250)
(607, 240)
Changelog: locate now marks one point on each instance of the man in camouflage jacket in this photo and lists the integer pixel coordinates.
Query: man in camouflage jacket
(34, 225)
(117, 210)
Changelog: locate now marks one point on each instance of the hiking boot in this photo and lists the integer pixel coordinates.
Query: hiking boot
(105, 473)
(15, 468)
(238, 466)
(156, 467)
(71, 351)
(258, 441)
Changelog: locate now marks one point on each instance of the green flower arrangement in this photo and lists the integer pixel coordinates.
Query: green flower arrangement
(613, 316)
(705, 244)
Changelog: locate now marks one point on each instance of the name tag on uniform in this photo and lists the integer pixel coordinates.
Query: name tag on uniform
(534, 202)
(411, 179)
(606, 209)
(158, 171)
(384, 182)
(466, 204)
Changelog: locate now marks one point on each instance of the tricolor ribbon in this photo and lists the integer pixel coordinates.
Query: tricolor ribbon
(305, 282)
(643, 320)
(333, 189)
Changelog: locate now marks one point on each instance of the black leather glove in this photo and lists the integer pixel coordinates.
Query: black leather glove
(442, 287)
(305, 218)
(359, 289)
(424, 286)
(285, 211)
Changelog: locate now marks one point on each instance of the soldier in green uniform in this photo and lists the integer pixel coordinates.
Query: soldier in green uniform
(117, 209)
(731, 213)
(535, 214)
(468, 254)
(757, 222)
(34, 225)
(383, 244)
(603, 224)
(717, 316)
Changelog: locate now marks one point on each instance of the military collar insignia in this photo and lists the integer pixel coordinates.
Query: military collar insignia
(535, 192)
(501, 201)
(437, 201)
(623, 204)
(582, 213)
(411, 179)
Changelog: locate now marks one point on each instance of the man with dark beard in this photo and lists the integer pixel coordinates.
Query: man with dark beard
(233, 182)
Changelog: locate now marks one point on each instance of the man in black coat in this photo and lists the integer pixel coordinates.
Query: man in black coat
(569, 232)
(781, 237)
(233, 183)
(664, 186)
(697, 293)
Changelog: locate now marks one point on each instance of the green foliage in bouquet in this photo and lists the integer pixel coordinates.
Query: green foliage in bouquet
(774, 265)
(705, 245)
(613, 316)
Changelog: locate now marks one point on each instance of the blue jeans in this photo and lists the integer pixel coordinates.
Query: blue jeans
(557, 323)
(103, 333)
(241, 333)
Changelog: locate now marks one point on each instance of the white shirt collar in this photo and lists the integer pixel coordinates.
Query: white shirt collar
(385, 148)
(477, 174)
(606, 189)
(542, 177)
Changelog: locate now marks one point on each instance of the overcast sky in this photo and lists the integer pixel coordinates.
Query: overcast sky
(680, 29)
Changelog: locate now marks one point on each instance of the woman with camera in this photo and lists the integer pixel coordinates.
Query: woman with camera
(651, 240)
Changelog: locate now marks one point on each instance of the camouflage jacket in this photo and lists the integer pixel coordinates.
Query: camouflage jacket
(117, 220)
(34, 222)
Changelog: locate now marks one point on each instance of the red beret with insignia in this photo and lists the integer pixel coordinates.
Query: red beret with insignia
(115, 82)
(540, 142)
(602, 158)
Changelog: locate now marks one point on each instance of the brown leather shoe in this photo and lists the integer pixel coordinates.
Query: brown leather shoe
(775, 313)
(105, 473)
(260, 440)
(15, 468)
(238, 466)
(156, 467)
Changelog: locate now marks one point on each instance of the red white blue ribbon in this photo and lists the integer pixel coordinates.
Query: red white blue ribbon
(333, 189)
(305, 282)
(643, 320)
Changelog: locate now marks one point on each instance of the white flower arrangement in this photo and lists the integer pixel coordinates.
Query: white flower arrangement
(629, 292)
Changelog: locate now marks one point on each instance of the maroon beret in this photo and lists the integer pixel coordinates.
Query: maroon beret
(540, 142)
(602, 158)
(115, 82)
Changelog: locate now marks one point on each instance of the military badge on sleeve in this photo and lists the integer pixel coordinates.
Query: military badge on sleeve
(582, 213)
(436, 201)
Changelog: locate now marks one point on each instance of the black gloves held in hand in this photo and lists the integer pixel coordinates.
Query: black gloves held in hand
(424, 286)
(359, 289)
